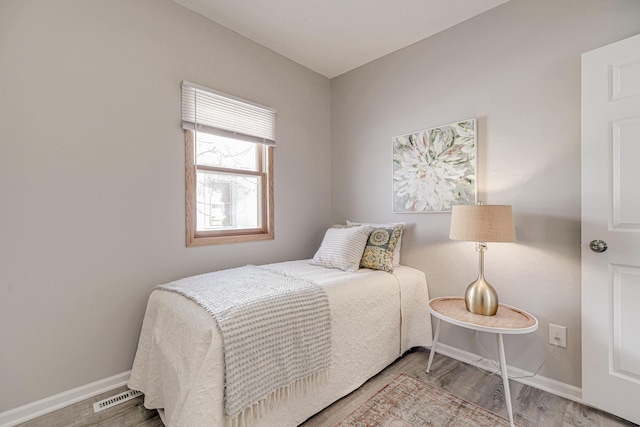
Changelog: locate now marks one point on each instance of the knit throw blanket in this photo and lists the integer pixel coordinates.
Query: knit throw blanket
(276, 333)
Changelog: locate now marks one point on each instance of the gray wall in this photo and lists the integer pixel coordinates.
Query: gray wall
(92, 175)
(516, 69)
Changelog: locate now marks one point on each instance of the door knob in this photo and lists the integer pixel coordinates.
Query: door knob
(598, 245)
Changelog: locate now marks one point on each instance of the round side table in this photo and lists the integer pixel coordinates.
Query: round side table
(508, 320)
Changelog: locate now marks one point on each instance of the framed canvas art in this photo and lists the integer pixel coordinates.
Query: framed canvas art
(435, 169)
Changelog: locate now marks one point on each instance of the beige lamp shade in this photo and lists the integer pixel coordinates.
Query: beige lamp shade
(482, 223)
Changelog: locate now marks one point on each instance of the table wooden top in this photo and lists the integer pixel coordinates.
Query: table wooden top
(508, 320)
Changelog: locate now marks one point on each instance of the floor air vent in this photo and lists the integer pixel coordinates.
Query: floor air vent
(115, 400)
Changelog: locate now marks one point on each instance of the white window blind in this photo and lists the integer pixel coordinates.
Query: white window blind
(209, 111)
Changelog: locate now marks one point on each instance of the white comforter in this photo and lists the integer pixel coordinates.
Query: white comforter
(376, 316)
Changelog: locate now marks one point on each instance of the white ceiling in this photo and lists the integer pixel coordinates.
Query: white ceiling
(332, 37)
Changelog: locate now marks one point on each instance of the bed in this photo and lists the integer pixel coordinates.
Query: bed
(375, 317)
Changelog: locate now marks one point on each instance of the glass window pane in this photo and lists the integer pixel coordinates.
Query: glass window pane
(218, 151)
(228, 202)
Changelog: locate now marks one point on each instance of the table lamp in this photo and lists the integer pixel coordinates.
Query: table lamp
(482, 223)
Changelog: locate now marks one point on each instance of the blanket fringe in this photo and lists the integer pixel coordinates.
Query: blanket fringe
(298, 387)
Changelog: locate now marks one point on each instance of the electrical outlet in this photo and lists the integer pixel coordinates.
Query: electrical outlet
(558, 335)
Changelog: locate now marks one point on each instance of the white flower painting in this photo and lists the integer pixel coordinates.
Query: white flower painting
(435, 169)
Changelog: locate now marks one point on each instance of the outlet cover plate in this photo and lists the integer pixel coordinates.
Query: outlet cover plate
(558, 335)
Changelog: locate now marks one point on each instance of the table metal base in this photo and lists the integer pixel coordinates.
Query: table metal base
(503, 367)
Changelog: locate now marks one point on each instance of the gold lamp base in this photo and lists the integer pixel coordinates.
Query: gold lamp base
(482, 223)
(481, 298)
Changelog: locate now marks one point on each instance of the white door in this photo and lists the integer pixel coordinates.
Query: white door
(611, 213)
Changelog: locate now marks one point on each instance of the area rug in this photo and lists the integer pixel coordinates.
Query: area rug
(408, 402)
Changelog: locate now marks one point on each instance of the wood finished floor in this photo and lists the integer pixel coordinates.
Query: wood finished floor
(531, 407)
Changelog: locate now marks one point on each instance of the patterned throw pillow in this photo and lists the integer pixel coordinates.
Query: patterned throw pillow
(378, 253)
(396, 252)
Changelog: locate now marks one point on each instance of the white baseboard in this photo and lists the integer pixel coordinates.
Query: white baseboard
(36, 409)
(547, 384)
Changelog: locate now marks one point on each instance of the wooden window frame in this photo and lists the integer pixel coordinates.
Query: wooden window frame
(206, 238)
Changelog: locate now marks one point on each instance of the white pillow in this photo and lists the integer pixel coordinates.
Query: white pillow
(396, 251)
(342, 248)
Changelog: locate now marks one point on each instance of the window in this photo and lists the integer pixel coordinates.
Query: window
(229, 167)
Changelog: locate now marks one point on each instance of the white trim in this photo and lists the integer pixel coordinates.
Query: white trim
(543, 383)
(36, 409)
